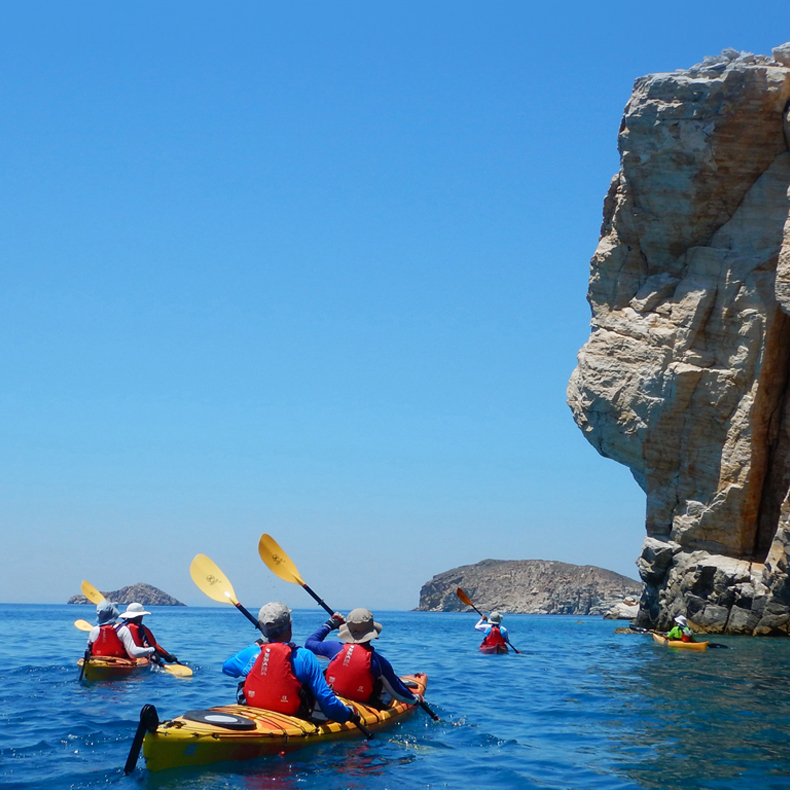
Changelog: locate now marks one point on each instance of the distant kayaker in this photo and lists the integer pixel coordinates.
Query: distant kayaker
(111, 638)
(137, 637)
(495, 633)
(282, 677)
(681, 631)
(356, 671)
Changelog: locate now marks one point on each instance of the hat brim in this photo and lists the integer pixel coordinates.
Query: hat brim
(132, 615)
(345, 635)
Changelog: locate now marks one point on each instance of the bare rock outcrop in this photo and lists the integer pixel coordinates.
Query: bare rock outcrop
(528, 587)
(146, 594)
(685, 375)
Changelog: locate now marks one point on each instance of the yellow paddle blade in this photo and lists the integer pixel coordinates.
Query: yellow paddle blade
(178, 670)
(277, 561)
(91, 593)
(83, 625)
(211, 580)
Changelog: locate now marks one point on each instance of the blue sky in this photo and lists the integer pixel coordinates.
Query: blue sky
(312, 269)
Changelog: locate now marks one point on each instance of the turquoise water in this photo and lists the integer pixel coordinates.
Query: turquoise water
(581, 708)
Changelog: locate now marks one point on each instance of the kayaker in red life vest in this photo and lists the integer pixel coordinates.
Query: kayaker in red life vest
(495, 633)
(103, 640)
(681, 632)
(356, 671)
(282, 677)
(136, 636)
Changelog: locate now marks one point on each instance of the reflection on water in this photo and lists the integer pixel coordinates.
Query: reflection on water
(706, 720)
(582, 708)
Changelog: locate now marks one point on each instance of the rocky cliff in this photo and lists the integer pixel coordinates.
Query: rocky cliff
(528, 587)
(685, 375)
(146, 594)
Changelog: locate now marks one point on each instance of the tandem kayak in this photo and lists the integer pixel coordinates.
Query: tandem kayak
(112, 668)
(493, 649)
(241, 732)
(662, 640)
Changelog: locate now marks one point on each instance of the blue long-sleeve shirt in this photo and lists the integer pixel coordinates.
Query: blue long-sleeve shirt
(307, 671)
(379, 666)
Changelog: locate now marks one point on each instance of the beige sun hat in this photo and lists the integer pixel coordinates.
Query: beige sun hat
(133, 610)
(360, 627)
(681, 620)
(495, 618)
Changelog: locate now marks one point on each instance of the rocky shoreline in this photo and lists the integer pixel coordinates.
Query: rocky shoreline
(530, 587)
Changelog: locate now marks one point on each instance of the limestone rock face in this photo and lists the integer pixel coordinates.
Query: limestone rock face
(146, 594)
(528, 587)
(684, 378)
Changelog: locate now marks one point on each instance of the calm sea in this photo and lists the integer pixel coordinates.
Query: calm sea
(581, 708)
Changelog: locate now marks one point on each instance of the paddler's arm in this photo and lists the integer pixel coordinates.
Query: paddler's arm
(315, 642)
(239, 665)
(151, 639)
(308, 671)
(133, 650)
(391, 682)
(482, 624)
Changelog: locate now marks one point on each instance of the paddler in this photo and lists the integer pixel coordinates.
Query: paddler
(356, 670)
(495, 633)
(680, 631)
(136, 636)
(111, 638)
(282, 677)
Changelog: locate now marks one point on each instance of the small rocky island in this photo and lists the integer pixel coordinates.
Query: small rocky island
(529, 587)
(146, 594)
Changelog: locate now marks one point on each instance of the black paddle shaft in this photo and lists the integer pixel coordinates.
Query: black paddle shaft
(253, 620)
(317, 598)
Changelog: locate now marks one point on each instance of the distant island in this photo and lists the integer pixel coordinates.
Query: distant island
(146, 594)
(530, 587)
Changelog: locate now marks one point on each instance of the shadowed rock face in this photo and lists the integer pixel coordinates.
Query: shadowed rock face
(528, 587)
(685, 376)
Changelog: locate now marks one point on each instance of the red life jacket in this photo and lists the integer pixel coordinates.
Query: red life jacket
(136, 630)
(271, 683)
(494, 637)
(108, 643)
(349, 673)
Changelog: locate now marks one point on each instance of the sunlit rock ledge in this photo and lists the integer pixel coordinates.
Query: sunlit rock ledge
(684, 378)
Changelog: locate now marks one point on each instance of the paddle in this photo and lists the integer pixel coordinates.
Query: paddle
(212, 581)
(83, 625)
(91, 593)
(149, 720)
(281, 565)
(465, 599)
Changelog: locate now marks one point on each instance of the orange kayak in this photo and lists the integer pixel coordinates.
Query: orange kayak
(662, 640)
(111, 668)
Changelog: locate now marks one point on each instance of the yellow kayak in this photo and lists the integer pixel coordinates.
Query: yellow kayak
(662, 640)
(241, 732)
(112, 668)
